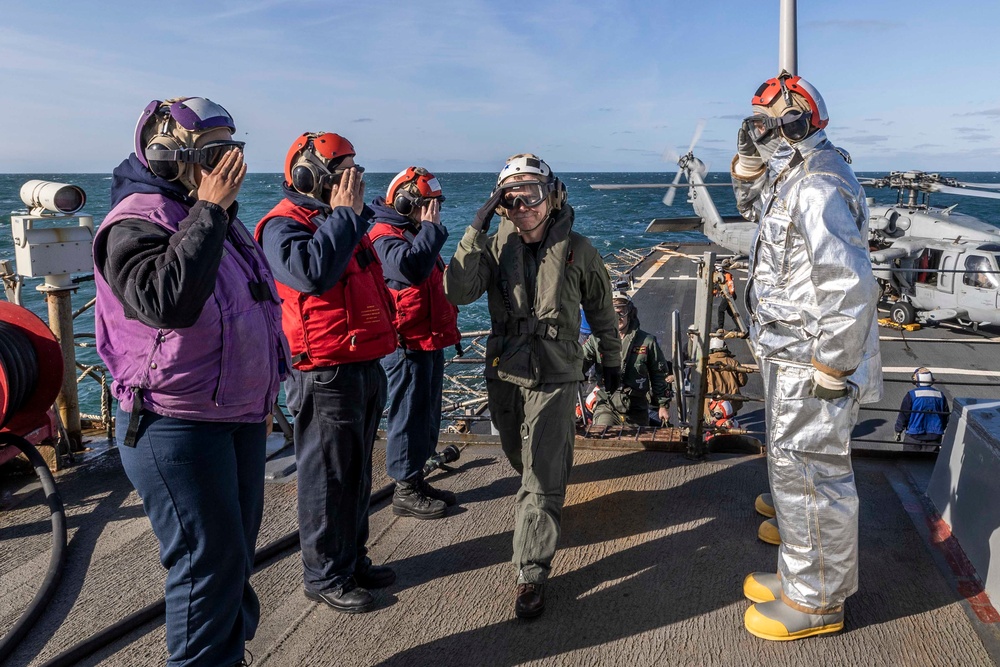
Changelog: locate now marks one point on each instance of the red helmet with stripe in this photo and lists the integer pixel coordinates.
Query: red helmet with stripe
(324, 145)
(785, 85)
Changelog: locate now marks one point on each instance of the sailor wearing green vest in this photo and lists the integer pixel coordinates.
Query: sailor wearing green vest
(644, 373)
(537, 273)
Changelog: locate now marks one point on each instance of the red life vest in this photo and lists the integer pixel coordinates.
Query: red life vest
(425, 319)
(350, 322)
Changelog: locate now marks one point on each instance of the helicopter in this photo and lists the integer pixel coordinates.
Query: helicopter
(933, 264)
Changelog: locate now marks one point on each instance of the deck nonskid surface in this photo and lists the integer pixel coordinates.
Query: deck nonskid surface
(649, 571)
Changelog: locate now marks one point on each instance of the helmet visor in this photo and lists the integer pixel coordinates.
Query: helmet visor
(524, 193)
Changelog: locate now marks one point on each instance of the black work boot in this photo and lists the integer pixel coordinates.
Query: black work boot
(447, 497)
(529, 600)
(409, 499)
(347, 599)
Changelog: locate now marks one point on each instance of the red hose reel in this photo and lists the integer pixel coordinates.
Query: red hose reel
(31, 370)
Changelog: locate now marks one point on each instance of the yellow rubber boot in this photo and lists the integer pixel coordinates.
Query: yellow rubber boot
(778, 622)
(768, 532)
(762, 586)
(765, 505)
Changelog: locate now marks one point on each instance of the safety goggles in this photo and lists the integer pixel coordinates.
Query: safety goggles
(208, 156)
(758, 126)
(524, 193)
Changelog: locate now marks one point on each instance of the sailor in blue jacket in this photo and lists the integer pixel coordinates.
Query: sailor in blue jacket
(923, 414)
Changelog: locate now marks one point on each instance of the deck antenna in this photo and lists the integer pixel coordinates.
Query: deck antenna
(788, 39)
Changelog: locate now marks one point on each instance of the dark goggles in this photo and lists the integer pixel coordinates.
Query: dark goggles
(338, 173)
(524, 193)
(794, 124)
(208, 156)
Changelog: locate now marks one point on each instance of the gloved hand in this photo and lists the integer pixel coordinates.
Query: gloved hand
(748, 160)
(481, 221)
(828, 387)
(899, 436)
(612, 377)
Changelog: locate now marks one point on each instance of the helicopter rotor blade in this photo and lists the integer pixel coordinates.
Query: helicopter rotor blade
(949, 190)
(670, 155)
(668, 199)
(697, 134)
(655, 186)
(981, 186)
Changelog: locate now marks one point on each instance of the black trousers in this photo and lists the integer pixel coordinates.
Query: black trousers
(337, 412)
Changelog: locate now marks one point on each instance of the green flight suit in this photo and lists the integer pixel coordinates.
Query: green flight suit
(534, 361)
(644, 377)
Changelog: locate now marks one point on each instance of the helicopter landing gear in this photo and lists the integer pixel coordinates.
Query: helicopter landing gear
(903, 313)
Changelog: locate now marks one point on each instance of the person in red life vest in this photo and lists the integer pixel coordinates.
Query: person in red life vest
(188, 322)
(337, 315)
(408, 237)
(723, 416)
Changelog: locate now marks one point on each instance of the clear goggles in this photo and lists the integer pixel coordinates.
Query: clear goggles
(208, 156)
(524, 193)
(759, 126)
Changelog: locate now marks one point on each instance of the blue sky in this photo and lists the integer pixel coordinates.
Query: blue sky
(458, 85)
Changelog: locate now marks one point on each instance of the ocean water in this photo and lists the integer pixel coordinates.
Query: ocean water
(611, 219)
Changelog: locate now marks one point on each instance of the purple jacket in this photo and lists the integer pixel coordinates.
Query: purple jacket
(224, 368)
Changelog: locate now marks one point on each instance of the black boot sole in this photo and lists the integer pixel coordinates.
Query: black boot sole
(357, 609)
(528, 614)
(402, 511)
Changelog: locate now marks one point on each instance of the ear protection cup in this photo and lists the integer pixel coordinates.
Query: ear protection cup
(165, 169)
(558, 196)
(306, 178)
(403, 202)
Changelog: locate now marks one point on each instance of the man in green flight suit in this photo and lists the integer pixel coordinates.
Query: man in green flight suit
(537, 273)
(644, 373)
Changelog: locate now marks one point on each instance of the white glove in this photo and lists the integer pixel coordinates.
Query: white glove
(827, 386)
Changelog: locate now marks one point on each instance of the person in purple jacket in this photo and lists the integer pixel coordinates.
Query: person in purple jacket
(189, 325)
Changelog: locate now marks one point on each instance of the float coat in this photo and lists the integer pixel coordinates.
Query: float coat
(225, 367)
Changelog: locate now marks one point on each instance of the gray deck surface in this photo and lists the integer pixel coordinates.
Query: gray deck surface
(649, 572)
(652, 557)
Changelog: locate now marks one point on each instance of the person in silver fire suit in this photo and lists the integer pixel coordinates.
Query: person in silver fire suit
(812, 302)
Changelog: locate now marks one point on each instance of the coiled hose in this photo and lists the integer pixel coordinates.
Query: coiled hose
(20, 366)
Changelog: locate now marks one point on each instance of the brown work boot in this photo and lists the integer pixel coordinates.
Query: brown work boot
(530, 602)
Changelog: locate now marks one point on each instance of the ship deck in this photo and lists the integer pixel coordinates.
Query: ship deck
(649, 570)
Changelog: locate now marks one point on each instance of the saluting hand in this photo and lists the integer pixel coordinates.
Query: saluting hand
(431, 212)
(350, 192)
(222, 184)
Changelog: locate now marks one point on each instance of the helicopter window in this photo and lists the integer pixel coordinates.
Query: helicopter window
(980, 273)
(927, 262)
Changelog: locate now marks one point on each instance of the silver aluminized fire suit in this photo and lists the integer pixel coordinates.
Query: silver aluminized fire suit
(812, 300)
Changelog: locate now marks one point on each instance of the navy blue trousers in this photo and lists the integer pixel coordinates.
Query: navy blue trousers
(202, 486)
(414, 416)
(337, 411)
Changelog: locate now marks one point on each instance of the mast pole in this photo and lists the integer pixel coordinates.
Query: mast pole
(788, 39)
